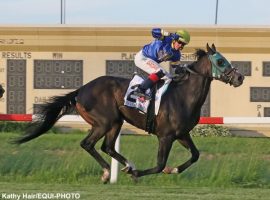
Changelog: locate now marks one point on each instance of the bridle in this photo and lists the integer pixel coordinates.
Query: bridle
(228, 76)
(219, 64)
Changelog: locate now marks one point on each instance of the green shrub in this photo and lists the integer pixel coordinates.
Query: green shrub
(210, 130)
(19, 127)
(6, 126)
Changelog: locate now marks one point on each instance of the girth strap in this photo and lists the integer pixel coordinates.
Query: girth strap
(150, 116)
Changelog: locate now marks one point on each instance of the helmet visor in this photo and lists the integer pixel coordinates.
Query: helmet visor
(181, 42)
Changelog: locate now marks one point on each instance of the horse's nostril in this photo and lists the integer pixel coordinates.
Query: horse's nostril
(240, 78)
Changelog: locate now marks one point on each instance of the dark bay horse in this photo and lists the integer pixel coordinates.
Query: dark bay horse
(100, 103)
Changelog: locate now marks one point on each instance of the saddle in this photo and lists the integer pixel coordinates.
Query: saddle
(149, 107)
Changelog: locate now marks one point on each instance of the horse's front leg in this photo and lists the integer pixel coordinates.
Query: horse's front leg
(165, 145)
(187, 142)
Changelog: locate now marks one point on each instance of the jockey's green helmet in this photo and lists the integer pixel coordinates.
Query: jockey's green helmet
(183, 36)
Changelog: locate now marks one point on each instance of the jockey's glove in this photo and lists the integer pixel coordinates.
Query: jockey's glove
(180, 70)
(164, 33)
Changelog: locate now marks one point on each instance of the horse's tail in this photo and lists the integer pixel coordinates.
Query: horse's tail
(47, 116)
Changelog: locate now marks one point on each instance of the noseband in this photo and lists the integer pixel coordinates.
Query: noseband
(227, 77)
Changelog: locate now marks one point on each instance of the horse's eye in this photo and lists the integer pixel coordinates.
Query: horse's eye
(220, 62)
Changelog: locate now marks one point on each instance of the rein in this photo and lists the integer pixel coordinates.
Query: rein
(192, 71)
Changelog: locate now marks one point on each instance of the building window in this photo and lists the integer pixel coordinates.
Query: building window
(266, 68)
(260, 94)
(123, 68)
(244, 67)
(205, 110)
(266, 111)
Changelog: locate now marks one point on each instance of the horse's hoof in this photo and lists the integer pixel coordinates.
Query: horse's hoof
(167, 170)
(106, 176)
(170, 170)
(135, 176)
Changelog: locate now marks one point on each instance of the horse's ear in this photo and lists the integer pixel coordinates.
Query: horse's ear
(209, 50)
(214, 47)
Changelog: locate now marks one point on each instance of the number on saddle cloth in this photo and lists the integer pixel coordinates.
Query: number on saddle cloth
(132, 100)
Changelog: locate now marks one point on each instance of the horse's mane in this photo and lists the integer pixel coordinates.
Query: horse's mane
(200, 53)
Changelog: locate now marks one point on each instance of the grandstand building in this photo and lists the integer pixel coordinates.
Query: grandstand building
(37, 62)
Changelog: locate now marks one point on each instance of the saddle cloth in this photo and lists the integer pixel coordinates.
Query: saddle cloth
(133, 101)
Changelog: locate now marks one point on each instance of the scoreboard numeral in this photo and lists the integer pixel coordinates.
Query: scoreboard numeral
(58, 74)
(16, 86)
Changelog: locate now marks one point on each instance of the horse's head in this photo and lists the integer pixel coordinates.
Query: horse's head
(221, 69)
(2, 91)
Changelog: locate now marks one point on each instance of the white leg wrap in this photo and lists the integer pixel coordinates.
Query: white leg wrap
(129, 165)
(174, 171)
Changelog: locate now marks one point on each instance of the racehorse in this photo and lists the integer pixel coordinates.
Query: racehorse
(2, 91)
(101, 103)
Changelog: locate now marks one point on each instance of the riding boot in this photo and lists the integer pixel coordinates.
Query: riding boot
(147, 84)
(141, 89)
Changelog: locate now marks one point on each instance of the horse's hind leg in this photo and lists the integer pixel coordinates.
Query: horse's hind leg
(89, 143)
(108, 147)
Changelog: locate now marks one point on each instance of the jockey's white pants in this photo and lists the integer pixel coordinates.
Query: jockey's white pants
(149, 66)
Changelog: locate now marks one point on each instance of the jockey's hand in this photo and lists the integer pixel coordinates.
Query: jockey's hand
(180, 70)
(164, 33)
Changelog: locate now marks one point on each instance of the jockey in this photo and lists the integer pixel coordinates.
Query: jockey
(165, 47)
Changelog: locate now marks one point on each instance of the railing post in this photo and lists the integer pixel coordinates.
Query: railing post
(115, 164)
